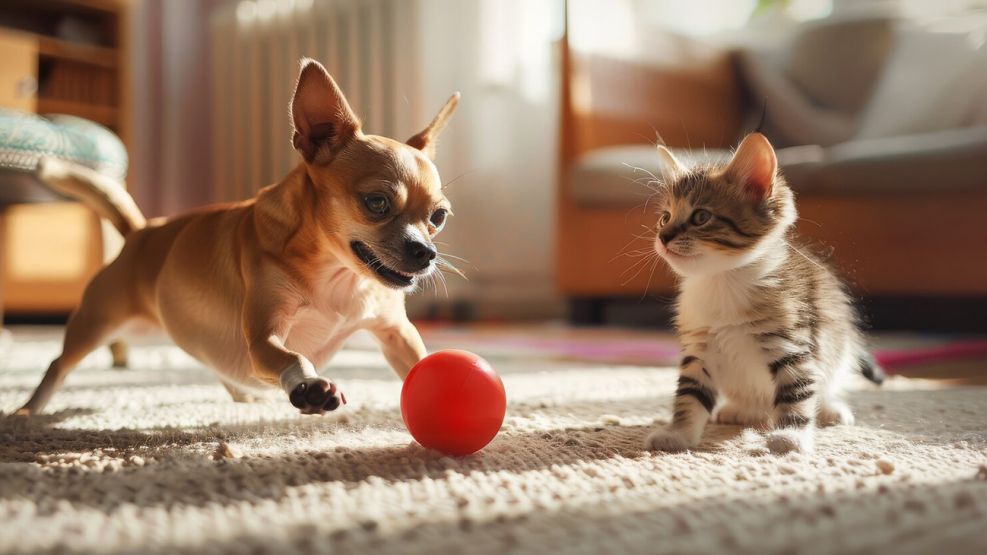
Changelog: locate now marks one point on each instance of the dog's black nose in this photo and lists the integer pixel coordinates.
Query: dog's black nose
(419, 252)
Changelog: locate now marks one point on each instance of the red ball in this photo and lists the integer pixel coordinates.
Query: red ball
(454, 402)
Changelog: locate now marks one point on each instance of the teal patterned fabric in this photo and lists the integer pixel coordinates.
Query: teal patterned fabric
(25, 138)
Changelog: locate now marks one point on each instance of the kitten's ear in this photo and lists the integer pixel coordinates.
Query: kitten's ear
(426, 138)
(754, 166)
(670, 167)
(324, 121)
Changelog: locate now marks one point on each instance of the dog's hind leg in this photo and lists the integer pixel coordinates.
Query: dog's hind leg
(105, 307)
(120, 351)
(239, 395)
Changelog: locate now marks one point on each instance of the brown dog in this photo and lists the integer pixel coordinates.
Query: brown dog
(266, 290)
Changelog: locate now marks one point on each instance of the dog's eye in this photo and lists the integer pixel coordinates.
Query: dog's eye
(664, 219)
(700, 217)
(438, 218)
(377, 204)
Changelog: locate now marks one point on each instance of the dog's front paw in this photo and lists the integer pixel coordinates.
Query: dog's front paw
(788, 440)
(668, 440)
(316, 396)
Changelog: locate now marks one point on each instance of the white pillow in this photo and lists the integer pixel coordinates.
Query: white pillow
(936, 79)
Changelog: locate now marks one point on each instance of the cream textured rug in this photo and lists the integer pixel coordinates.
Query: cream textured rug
(158, 459)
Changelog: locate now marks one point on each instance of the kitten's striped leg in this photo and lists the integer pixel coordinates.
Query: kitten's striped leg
(695, 398)
(795, 404)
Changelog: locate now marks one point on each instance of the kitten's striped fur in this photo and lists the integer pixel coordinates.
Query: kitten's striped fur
(768, 332)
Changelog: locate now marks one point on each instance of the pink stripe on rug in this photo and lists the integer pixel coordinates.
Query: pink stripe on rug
(894, 359)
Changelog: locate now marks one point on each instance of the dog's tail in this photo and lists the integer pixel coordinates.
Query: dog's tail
(108, 197)
(870, 369)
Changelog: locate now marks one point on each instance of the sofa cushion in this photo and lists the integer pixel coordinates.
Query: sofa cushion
(620, 175)
(943, 161)
(836, 63)
(935, 80)
(953, 160)
(816, 84)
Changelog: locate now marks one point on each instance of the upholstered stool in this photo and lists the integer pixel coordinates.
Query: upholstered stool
(26, 138)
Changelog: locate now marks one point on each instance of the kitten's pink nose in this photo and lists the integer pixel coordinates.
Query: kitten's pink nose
(668, 236)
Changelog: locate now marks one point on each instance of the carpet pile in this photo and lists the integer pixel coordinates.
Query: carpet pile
(158, 459)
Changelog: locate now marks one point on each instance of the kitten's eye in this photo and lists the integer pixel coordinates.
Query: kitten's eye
(377, 204)
(700, 217)
(438, 219)
(664, 219)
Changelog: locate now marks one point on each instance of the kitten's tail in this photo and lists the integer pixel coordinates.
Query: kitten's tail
(869, 368)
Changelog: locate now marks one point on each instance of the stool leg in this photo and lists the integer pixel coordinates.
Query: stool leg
(3, 259)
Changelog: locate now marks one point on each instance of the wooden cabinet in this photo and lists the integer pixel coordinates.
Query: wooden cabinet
(67, 57)
(18, 70)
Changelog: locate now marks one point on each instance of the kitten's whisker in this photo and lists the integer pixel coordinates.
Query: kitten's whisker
(623, 250)
(651, 275)
(637, 273)
(635, 265)
(635, 168)
(640, 265)
(802, 254)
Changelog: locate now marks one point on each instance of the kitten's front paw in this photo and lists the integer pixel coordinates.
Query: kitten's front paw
(316, 396)
(668, 440)
(832, 413)
(790, 440)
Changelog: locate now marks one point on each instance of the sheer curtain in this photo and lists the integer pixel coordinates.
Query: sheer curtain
(499, 156)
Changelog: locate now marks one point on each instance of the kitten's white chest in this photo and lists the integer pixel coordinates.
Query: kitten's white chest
(721, 305)
(739, 366)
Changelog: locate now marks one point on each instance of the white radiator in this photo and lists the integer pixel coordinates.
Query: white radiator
(369, 46)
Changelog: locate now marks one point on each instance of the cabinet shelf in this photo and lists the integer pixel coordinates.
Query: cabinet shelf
(50, 47)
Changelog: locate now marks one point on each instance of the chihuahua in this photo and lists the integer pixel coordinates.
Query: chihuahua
(266, 290)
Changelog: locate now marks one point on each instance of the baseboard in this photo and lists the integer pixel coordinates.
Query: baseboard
(900, 313)
(930, 314)
(488, 310)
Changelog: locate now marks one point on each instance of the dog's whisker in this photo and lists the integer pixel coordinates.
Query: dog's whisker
(445, 255)
(441, 278)
(442, 263)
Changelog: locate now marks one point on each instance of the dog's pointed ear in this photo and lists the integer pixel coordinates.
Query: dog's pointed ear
(754, 167)
(670, 167)
(324, 121)
(425, 140)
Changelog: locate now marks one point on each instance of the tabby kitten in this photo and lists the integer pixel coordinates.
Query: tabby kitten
(768, 333)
